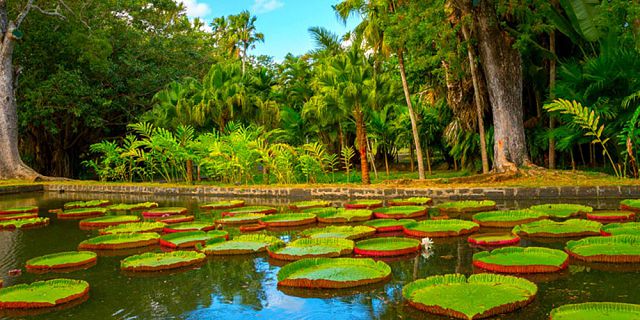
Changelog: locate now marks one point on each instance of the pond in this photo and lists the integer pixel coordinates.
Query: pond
(245, 287)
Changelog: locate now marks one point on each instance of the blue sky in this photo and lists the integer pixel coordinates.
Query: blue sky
(283, 22)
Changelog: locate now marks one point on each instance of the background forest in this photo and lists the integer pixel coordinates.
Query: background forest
(135, 91)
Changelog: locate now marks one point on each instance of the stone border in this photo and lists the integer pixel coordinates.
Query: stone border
(13, 189)
(492, 193)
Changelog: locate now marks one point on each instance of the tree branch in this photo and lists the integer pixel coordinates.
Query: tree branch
(23, 14)
(54, 13)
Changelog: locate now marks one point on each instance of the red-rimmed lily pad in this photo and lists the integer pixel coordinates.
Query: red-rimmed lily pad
(363, 204)
(400, 212)
(387, 247)
(249, 210)
(333, 273)
(82, 213)
(310, 248)
(164, 212)
(616, 229)
(493, 239)
(522, 260)
(107, 221)
(614, 249)
(596, 311)
(223, 204)
(466, 206)
(242, 244)
(134, 227)
(440, 228)
(15, 210)
(240, 219)
(479, 296)
(61, 260)
(120, 241)
(562, 210)
(310, 204)
(190, 239)
(42, 294)
(332, 215)
(152, 261)
(288, 219)
(507, 218)
(388, 225)
(86, 204)
(554, 229)
(345, 232)
(630, 205)
(413, 201)
(133, 206)
(18, 216)
(23, 223)
(607, 216)
(190, 226)
(176, 219)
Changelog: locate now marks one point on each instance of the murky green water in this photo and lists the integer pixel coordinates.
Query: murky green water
(244, 287)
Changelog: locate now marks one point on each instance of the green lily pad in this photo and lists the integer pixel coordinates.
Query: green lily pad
(333, 273)
(243, 244)
(596, 311)
(467, 206)
(493, 239)
(61, 260)
(479, 296)
(310, 248)
(152, 261)
(522, 260)
(288, 219)
(134, 227)
(247, 218)
(163, 212)
(630, 204)
(616, 229)
(363, 204)
(508, 218)
(344, 232)
(386, 247)
(400, 212)
(250, 210)
(107, 221)
(552, 229)
(133, 206)
(224, 204)
(42, 294)
(18, 216)
(15, 210)
(302, 205)
(562, 210)
(86, 204)
(81, 213)
(23, 223)
(120, 241)
(614, 249)
(440, 228)
(190, 226)
(413, 201)
(388, 225)
(607, 216)
(190, 238)
(344, 215)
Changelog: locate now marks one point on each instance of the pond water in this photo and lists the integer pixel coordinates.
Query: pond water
(245, 287)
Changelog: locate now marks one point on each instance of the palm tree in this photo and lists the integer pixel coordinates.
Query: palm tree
(243, 25)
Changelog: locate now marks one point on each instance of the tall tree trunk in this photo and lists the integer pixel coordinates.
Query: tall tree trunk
(477, 98)
(412, 115)
(361, 135)
(503, 69)
(428, 161)
(11, 165)
(552, 86)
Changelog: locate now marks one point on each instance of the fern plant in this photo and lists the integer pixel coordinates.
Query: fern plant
(347, 159)
(587, 120)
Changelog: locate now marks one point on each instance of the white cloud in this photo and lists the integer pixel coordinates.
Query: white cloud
(264, 6)
(195, 8)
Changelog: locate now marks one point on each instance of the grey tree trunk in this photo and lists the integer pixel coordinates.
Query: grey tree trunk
(503, 69)
(412, 115)
(552, 86)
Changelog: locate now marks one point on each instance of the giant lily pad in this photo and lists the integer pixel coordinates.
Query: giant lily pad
(479, 296)
(18, 216)
(120, 241)
(42, 294)
(466, 206)
(15, 210)
(345, 232)
(151, 261)
(553, 229)
(413, 201)
(562, 210)
(363, 204)
(341, 215)
(82, 213)
(630, 204)
(596, 311)
(249, 210)
(107, 221)
(440, 228)
(190, 239)
(133, 206)
(190, 226)
(608, 216)
(61, 260)
(386, 247)
(311, 248)
(243, 244)
(400, 212)
(86, 204)
(23, 223)
(176, 219)
(333, 273)
(223, 204)
(134, 227)
(522, 260)
(288, 219)
(164, 212)
(247, 218)
(614, 249)
(508, 218)
(388, 225)
(616, 229)
(493, 239)
(302, 205)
